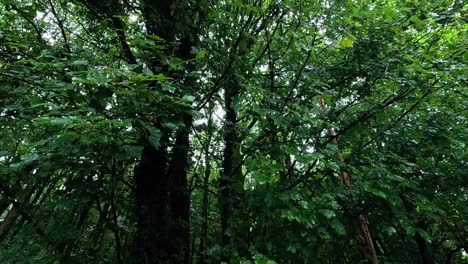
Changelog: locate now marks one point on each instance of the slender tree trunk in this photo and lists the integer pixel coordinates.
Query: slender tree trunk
(205, 205)
(71, 245)
(15, 212)
(100, 233)
(115, 227)
(206, 179)
(362, 231)
(5, 202)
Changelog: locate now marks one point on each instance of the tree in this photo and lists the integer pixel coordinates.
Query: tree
(233, 131)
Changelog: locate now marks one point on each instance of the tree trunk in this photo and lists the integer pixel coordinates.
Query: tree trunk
(100, 232)
(206, 178)
(179, 199)
(161, 184)
(232, 180)
(5, 202)
(152, 205)
(162, 199)
(163, 202)
(15, 212)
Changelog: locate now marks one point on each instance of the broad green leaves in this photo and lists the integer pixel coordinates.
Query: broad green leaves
(391, 75)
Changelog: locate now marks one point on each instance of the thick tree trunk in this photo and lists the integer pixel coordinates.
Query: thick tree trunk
(179, 199)
(161, 184)
(152, 205)
(162, 199)
(163, 202)
(232, 180)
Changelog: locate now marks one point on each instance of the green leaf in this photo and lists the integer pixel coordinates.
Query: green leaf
(167, 87)
(154, 137)
(327, 99)
(338, 227)
(375, 191)
(79, 62)
(307, 158)
(201, 54)
(328, 213)
(390, 230)
(148, 72)
(346, 43)
(292, 249)
(290, 150)
(35, 101)
(424, 235)
(160, 77)
(189, 98)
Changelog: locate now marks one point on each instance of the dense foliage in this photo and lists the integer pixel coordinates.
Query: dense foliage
(204, 131)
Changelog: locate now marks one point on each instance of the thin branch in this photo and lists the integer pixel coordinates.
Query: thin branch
(31, 22)
(60, 24)
(232, 56)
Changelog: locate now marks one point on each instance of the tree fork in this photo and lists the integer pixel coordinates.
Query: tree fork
(161, 182)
